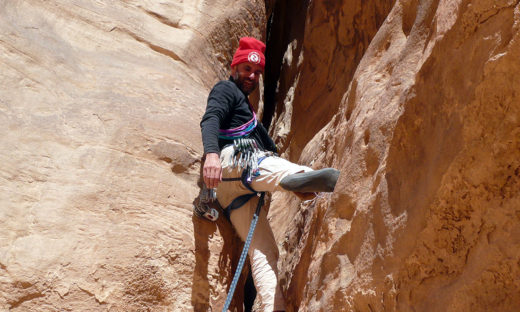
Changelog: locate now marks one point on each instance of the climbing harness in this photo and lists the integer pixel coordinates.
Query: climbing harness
(247, 157)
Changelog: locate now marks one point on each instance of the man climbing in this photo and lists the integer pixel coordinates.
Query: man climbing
(241, 162)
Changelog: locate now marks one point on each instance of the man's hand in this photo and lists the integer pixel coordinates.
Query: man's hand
(212, 172)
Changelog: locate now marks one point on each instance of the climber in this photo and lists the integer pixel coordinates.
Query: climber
(241, 159)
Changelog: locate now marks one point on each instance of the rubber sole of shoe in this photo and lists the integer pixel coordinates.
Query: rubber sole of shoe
(322, 180)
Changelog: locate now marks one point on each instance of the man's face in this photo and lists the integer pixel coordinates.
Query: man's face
(246, 76)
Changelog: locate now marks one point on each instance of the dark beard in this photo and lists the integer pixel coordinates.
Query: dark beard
(240, 84)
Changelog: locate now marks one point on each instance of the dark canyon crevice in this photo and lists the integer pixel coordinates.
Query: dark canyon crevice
(313, 50)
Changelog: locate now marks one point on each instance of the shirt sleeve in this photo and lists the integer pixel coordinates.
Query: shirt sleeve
(220, 103)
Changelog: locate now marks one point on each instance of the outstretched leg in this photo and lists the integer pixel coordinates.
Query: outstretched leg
(279, 174)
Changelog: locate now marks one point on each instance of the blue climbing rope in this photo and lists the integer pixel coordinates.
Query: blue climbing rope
(244, 253)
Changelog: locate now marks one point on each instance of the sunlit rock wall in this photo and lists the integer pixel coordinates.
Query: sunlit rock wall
(100, 103)
(426, 133)
(416, 102)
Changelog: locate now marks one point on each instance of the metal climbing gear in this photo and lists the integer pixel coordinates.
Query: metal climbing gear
(202, 208)
(246, 157)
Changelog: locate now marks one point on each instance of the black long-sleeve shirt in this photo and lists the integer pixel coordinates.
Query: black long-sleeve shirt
(228, 107)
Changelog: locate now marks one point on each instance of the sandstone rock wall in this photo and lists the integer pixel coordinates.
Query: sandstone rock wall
(100, 103)
(426, 213)
(317, 47)
(415, 101)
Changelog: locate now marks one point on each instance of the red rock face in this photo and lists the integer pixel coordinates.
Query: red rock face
(416, 102)
(425, 216)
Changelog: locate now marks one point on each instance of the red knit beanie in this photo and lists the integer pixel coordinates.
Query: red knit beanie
(249, 50)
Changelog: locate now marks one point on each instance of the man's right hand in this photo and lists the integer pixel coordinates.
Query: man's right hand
(212, 171)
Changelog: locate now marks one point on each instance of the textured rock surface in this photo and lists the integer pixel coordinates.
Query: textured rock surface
(415, 101)
(426, 213)
(99, 106)
(318, 46)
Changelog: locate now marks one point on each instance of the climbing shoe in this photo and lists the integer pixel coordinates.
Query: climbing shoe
(323, 180)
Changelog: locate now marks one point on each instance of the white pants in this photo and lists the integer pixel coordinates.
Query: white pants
(263, 252)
